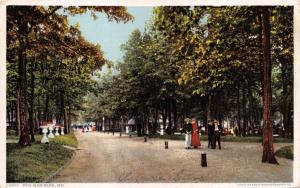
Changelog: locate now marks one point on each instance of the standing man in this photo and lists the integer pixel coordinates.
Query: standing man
(210, 130)
(195, 134)
(217, 135)
(188, 130)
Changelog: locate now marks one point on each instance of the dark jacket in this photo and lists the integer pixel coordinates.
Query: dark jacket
(211, 129)
(187, 127)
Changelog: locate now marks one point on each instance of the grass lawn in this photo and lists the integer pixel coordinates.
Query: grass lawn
(69, 140)
(223, 138)
(37, 162)
(286, 152)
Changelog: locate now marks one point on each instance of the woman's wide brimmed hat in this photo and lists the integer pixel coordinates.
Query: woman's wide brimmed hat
(187, 119)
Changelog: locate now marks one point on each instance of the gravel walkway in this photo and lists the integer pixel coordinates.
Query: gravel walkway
(107, 158)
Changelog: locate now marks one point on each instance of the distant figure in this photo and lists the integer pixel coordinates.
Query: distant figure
(210, 129)
(217, 135)
(188, 130)
(195, 134)
(236, 131)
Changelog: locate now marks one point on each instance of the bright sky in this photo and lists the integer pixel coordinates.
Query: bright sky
(110, 35)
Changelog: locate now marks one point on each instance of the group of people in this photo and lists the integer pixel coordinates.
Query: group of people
(214, 134)
(192, 134)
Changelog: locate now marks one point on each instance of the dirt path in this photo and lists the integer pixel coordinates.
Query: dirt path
(107, 158)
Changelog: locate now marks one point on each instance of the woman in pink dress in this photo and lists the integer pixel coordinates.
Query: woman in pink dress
(195, 134)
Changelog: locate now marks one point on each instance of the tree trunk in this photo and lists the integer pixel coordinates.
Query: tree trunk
(39, 115)
(24, 138)
(8, 115)
(268, 149)
(46, 110)
(31, 102)
(209, 113)
(156, 119)
(164, 113)
(251, 106)
(238, 110)
(69, 119)
(169, 114)
(244, 111)
(114, 124)
(18, 130)
(175, 114)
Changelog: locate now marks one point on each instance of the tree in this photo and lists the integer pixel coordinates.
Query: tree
(268, 149)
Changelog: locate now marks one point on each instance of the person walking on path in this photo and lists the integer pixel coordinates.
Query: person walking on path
(188, 130)
(217, 135)
(195, 134)
(210, 130)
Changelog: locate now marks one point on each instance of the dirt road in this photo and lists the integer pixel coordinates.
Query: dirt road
(107, 158)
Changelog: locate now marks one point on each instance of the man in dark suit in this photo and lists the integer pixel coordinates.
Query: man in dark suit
(217, 135)
(210, 130)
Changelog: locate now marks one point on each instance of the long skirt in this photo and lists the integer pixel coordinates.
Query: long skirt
(188, 140)
(195, 139)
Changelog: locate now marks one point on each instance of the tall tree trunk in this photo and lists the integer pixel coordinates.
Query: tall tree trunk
(156, 119)
(169, 114)
(66, 121)
(31, 102)
(209, 108)
(66, 128)
(184, 113)
(268, 149)
(18, 130)
(164, 113)
(251, 107)
(39, 115)
(24, 138)
(8, 114)
(63, 113)
(109, 125)
(46, 110)
(175, 114)
(244, 111)
(238, 110)
(69, 116)
(113, 126)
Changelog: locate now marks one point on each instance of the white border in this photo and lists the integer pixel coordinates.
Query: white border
(151, 2)
(295, 3)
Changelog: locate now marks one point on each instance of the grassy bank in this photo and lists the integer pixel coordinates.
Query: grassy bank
(223, 138)
(37, 162)
(286, 152)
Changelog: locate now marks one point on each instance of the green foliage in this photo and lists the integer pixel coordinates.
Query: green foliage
(68, 139)
(286, 152)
